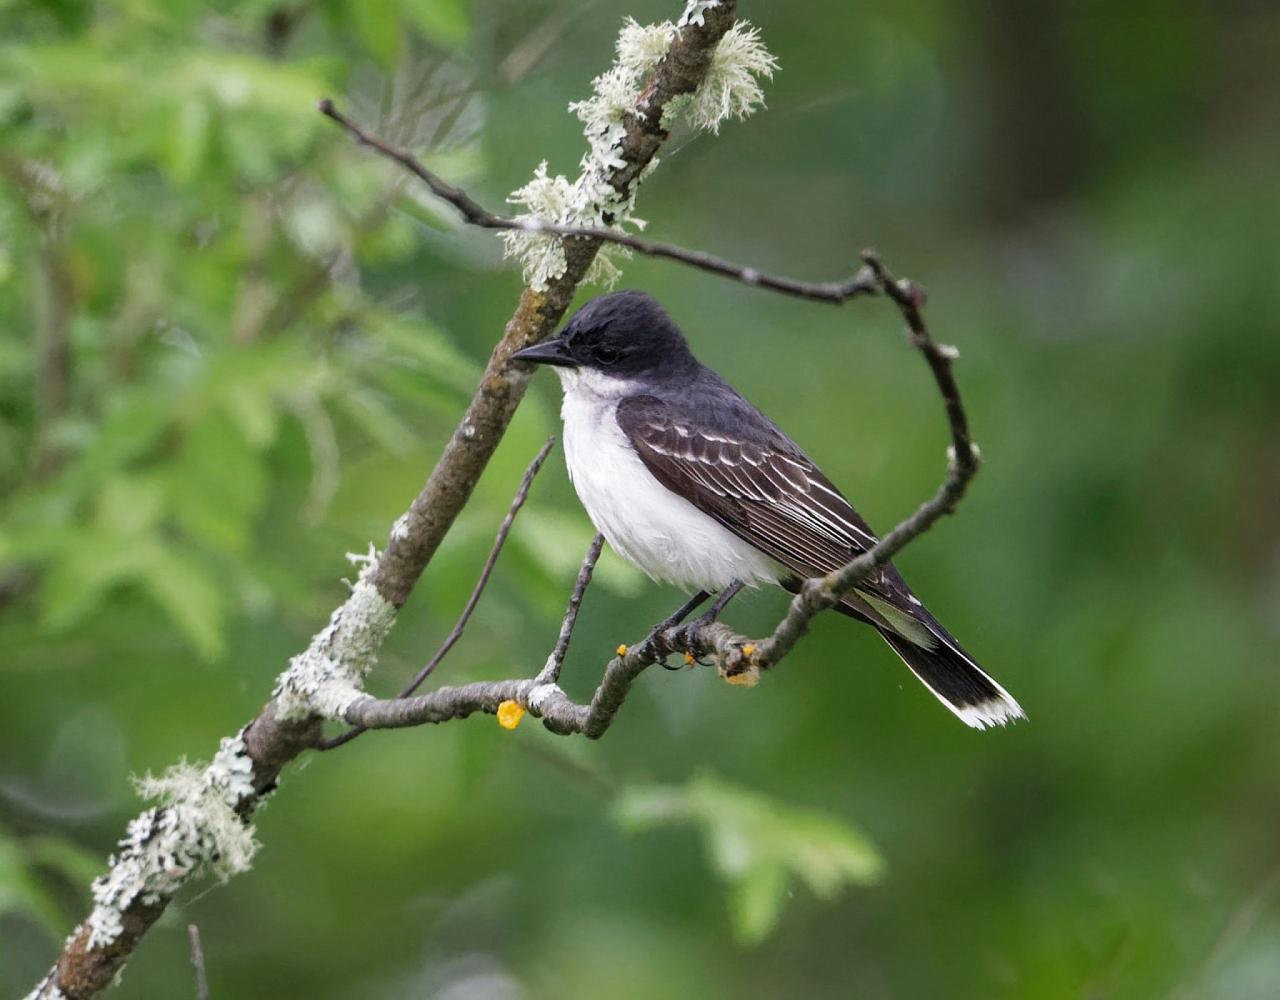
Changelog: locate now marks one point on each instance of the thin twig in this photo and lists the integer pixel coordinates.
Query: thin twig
(474, 212)
(863, 283)
(504, 529)
(197, 960)
(550, 672)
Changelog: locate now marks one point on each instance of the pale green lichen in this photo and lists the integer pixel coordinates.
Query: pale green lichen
(327, 676)
(730, 90)
(549, 199)
(195, 830)
(732, 87)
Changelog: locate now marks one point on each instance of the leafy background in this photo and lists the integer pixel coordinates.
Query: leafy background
(231, 346)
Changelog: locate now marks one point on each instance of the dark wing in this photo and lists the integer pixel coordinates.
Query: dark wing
(770, 495)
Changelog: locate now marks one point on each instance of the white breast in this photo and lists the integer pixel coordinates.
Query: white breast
(663, 534)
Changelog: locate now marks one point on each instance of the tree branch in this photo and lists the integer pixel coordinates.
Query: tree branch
(197, 962)
(477, 215)
(550, 672)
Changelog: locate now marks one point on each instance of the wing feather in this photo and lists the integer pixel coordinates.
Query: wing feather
(775, 498)
(771, 496)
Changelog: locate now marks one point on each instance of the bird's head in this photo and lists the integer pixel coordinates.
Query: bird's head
(623, 337)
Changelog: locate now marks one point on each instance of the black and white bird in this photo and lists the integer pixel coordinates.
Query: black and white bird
(696, 487)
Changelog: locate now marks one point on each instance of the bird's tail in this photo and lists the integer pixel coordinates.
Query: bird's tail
(949, 672)
(957, 682)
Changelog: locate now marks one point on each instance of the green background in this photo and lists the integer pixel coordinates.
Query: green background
(270, 335)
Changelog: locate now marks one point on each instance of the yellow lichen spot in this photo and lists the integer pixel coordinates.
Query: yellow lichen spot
(509, 714)
(689, 661)
(749, 649)
(748, 678)
(622, 650)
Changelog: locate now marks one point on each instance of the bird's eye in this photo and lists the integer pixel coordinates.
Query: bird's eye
(606, 355)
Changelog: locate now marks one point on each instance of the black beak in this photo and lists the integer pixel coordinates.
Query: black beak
(549, 352)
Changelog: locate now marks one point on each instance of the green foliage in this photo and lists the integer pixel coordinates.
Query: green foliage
(270, 336)
(757, 845)
(188, 209)
(29, 867)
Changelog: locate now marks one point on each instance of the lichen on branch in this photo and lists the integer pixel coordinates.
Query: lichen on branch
(730, 89)
(325, 678)
(198, 828)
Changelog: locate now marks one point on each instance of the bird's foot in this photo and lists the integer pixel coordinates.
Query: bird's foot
(656, 644)
(689, 660)
(690, 633)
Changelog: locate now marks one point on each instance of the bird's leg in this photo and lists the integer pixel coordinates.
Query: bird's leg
(702, 621)
(673, 619)
(682, 612)
(726, 595)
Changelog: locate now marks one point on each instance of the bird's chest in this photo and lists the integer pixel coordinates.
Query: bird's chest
(663, 534)
(618, 492)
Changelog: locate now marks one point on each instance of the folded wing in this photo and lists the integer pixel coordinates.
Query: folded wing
(770, 495)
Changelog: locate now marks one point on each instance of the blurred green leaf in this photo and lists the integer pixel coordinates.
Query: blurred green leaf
(554, 542)
(377, 23)
(756, 845)
(192, 597)
(21, 890)
(756, 899)
(372, 415)
(444, 21)
(76, 864)
(216, 482)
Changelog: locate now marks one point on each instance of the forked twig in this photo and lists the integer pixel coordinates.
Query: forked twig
(504, 529)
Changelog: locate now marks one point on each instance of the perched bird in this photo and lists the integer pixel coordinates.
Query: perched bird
(696, 487)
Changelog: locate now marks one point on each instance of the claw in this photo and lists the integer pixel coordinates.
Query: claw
(662, 662)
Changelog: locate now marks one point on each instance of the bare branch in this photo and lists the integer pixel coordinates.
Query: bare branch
(550, 673)
(823, 592)
(504, 529)
(863, 283)
(197, 962)
(474, 213)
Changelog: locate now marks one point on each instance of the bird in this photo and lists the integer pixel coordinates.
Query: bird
(695, 486)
